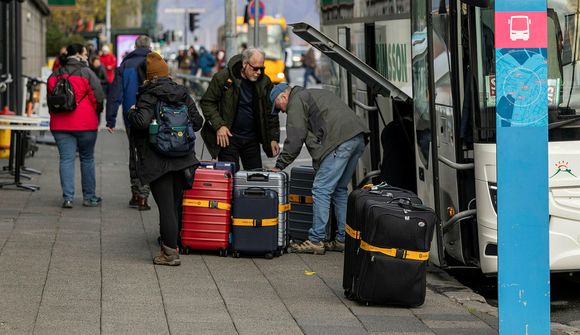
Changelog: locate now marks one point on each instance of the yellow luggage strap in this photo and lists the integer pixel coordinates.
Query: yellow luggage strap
(207, 204)
(300, 199)
(284, 208)
(397, 253)
(351, 232)
(254, 222)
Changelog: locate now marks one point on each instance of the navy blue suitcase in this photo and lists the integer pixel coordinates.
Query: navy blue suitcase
(255, 222)
(228, 166)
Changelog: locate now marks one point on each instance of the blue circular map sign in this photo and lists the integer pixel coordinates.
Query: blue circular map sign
(520, 90)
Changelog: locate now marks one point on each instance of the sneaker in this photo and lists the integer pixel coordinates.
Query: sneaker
(334, 246)
(67, 204)
(308, 247)
(92, 202)
(167, 256)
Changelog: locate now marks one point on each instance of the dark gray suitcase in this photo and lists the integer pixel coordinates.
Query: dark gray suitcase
(300, 216)
(277, 182)
(255, 222)
(300, 196)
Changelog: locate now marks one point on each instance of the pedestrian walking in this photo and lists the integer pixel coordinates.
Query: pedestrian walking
(310, 67)
(238, 112)
(335, 138)
(123, 91)
(206, 62)
(109, 61)
(76, 129)
(167, 175)
(100, 72)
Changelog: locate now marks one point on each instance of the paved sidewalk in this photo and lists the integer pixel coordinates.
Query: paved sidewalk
(89, 271)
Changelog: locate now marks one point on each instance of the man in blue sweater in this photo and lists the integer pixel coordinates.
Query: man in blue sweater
(123, 91)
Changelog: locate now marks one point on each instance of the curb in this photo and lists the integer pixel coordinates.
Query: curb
(441, 282)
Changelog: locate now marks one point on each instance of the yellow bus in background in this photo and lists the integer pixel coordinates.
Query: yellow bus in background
(273, 40)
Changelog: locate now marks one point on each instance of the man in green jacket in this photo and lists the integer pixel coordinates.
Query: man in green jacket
(237, 111)
(335, 138)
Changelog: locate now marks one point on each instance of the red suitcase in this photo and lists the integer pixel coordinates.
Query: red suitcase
(206, 212)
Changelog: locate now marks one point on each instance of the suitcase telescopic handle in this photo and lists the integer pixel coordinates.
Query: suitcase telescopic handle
(258, 177)
(407, 204)
(254, 191)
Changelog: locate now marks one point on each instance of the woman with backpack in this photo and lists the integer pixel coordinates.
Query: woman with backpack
(75, 98)
(166, 163)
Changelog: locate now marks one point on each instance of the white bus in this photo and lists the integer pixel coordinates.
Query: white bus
(437, 62)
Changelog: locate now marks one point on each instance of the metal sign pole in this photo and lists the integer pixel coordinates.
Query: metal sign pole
(522, 166)
(256, 23)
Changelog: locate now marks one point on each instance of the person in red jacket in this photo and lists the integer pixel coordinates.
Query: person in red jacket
(109, 61)
(77, 130)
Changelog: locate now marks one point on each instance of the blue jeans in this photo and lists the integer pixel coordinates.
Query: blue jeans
(331, 183)
(68, 142)
(310, 72)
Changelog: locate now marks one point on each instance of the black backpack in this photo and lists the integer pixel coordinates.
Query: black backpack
(62, 97)
(171, 132)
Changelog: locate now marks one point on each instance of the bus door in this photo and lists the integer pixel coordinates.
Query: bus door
(444, 167)
(446, 117)
(427, 183)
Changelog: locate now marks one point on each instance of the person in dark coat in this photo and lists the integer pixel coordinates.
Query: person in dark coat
(123, 92)
(100, 72)
(166, 175)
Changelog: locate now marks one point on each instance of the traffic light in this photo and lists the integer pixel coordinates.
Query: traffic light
(193, 21)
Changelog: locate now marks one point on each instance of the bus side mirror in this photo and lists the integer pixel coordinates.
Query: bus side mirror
(477, 3)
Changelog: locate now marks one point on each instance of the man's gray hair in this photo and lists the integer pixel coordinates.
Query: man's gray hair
(249, 52)
(143, 41)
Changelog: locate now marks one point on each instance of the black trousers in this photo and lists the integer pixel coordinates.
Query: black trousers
(168, 194)
(246, 149)
(136, 187)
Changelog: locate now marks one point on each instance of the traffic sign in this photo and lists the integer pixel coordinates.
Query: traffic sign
(261, 10)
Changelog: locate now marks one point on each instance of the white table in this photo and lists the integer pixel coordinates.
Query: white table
(18, 125)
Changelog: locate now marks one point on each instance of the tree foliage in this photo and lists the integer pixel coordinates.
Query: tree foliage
(62, 24)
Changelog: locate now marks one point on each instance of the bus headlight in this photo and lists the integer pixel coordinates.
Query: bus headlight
(493, 195)
(280, 75)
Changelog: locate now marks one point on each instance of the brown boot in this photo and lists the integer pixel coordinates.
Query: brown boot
(143, 205)
(167, 256)
(134, 202)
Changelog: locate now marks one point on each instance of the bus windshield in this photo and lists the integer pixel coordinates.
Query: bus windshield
(271, 39)
(562, 53)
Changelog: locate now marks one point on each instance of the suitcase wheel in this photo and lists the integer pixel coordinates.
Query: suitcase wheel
(223, 252)
(186, 251)
(236, 254)
(279, 253)
(348, 294)
(269, 255)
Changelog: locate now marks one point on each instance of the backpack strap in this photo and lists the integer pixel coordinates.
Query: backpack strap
(86, 91)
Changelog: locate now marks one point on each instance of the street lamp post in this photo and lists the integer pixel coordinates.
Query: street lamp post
(108, 22)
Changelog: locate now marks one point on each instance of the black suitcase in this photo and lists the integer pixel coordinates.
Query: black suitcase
(355, 218)
(394, 253)
(255, 222)
(300, 197)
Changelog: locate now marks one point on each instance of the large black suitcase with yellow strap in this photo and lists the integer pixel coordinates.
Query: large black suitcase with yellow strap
(355, 219)
(255, 222)
(394, 253)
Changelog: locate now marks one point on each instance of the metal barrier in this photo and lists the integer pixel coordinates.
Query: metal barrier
(198, 85)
